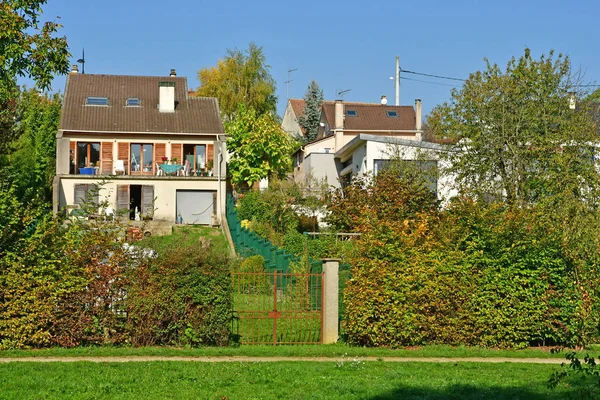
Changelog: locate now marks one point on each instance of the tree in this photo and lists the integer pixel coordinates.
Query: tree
(521, 140)
(258, 145)
(27, 48)
(311, 115)
(240, 77)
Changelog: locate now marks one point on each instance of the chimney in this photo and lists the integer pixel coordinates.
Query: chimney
(383, 100)
(339, 124)
(419, 115)
(173, 73)
(74, 69)
(166, 98)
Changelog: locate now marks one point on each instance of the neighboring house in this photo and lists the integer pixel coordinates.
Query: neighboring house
(118, 129)
(293, 110)
(343, 121)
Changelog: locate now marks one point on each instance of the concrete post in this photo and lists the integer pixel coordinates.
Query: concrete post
(330, 308)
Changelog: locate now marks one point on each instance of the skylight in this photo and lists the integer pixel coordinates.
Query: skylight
(96, 101)
(351, 113)
(133, 101)
(393, 114)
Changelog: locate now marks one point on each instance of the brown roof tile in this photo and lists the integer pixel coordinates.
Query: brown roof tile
(192, 114)
(297, 106)
(372, 116)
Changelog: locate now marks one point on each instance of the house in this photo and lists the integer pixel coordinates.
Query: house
(293, 111)
(153, 151)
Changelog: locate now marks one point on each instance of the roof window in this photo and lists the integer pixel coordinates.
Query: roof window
(133, 102)
(351, 113)
(392, 114)
(96, 101)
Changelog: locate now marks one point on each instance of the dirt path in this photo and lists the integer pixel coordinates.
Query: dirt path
(453, 360)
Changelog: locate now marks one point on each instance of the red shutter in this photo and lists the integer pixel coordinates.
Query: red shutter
(210, 152)
(123, 154)
(160, 151)
(106, 158)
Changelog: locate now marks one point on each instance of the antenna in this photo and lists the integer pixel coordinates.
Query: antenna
(287, 83)
(342, 93)
(82, 61)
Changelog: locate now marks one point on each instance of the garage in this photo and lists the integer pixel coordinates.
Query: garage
(196, 206)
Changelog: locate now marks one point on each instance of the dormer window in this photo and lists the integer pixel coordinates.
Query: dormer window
(133, 102)
(96, 101)
(351, 113)
(392, 114)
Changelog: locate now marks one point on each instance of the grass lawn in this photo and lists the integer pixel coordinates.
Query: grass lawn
(284, 380)
(187, 236)
(330, 350)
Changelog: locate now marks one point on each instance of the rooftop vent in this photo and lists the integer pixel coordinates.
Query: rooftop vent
(173, 72)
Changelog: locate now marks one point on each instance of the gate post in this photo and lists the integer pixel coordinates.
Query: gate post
(330, 306)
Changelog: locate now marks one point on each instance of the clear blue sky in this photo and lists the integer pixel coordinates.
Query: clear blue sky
(341, 44)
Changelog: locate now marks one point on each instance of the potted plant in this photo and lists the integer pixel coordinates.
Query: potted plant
(174, 160)
(209, 167)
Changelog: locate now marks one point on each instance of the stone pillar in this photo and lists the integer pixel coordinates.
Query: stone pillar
(330, 308)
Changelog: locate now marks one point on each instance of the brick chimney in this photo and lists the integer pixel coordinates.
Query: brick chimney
(418, 119)
(339, 124)
(74, 69)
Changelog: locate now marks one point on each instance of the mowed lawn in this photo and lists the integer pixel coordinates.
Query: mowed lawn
(348, 379)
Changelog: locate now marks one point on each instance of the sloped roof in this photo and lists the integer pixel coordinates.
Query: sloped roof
(372, 117)
(297, 106)
(192, 114)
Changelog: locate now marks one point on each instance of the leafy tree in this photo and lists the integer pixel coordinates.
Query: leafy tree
(311, 115)
(33, 160)
(258, 145)
(521, 140)
(240, 77)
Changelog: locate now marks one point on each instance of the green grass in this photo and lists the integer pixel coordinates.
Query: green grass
(282, 380)
(187, 236)
(331, 350)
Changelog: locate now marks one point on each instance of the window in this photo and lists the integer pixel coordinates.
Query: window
(392, 114)
(351, 113)
(88, 155)
(96, 101)
(142, 156)
(195, 154)
(133, 102)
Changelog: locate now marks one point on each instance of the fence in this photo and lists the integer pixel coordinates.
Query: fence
(248, 244)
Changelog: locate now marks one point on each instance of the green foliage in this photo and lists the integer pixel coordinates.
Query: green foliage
(584, 377)
(311, 114)
(32, 161)
(521, 141)
(259, 147)
(242, 77)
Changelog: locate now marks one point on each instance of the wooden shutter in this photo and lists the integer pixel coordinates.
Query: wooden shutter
(148, 200)
(210, 152)
(80, 190)
(73, 147)
(177, 151)
(106, 158)
(123, 200)
(123, 154)
(160, 151)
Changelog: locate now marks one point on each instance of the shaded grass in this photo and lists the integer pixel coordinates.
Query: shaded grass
(330, 350)
(339, 380)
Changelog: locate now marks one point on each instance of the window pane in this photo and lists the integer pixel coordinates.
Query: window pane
(95, 153)
(82, 155)
(135, 157)
(200, 157)
(148, 157)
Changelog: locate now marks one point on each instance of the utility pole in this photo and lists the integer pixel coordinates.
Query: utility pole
(397, 80)
(82, 61)
(287, 83)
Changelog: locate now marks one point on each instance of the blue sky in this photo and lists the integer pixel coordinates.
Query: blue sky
(341, 44)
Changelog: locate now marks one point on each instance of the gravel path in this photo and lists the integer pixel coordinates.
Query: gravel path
(282, 359)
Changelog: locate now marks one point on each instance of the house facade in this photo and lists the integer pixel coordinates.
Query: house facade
(143, 146)
(294, 109)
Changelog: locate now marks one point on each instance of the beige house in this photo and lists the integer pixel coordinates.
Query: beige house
(148, 146)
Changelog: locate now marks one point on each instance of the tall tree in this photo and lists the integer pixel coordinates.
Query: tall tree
(240, 77)
(32, 161)
(311, 114)
(28, 48)
(258, 145)
(521, 139)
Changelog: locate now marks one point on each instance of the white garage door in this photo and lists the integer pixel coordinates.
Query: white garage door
(195, 206)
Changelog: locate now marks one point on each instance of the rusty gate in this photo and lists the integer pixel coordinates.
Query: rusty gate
(277, 308)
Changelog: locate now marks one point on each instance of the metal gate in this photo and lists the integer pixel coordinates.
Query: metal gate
(277, 308)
